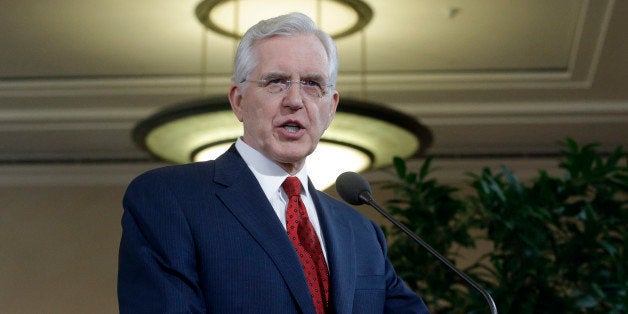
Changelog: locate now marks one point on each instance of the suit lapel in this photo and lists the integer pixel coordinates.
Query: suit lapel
(243, 194)
(339, 243)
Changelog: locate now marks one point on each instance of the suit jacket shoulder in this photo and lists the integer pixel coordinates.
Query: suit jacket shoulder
(202, 237)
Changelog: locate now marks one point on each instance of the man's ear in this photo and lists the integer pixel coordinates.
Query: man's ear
(334, 105)
(235, 99)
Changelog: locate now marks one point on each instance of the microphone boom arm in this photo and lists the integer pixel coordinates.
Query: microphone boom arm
(366, 197)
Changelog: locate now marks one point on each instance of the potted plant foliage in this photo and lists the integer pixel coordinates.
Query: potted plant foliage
(559, 243)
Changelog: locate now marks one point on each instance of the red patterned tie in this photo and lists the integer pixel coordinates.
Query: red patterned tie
(303, 237)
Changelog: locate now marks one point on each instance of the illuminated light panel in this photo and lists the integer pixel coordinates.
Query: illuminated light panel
(231, 18)
(362, 136)
(328, 161)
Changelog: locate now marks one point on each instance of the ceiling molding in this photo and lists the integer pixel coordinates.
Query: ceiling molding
(614, 111)
(469, 111)
(537, 73)
(507, 128)
(158, 85)
(587, 43)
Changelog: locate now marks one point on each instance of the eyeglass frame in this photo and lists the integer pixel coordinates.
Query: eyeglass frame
(265, 83)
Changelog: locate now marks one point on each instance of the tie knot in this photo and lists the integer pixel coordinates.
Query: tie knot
(292, 186)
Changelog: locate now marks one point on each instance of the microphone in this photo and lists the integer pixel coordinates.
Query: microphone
(355, 190)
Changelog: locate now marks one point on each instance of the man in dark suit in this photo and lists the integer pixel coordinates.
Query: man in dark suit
(216, 237)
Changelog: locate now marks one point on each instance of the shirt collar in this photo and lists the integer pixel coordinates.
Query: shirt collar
(269, 174)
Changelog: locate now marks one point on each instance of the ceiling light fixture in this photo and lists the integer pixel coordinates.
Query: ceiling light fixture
(339, 18)
(362, 136)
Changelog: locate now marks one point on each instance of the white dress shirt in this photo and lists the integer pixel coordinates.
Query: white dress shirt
(270, 177)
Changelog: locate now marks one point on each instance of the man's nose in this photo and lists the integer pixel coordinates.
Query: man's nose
(293, 97)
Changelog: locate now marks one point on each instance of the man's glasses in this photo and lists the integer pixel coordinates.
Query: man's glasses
(311, 88)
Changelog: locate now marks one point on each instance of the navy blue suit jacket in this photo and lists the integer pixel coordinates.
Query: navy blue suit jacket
(203, 238)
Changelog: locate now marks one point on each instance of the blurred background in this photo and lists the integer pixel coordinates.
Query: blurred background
(496, 82)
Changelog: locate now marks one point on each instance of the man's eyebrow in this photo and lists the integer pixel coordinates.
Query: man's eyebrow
(272, 75)
(314, 77)
(279, 74)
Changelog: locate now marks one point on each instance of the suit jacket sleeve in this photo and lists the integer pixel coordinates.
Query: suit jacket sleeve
(361, 272)
(154, 276)
(399, 297)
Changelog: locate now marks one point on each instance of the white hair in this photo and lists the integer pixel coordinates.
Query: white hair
(284, 25)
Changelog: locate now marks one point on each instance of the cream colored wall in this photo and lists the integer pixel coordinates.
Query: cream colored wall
(58, 248)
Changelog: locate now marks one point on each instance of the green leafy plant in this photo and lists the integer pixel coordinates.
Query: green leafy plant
(559, 243)
(428, 209)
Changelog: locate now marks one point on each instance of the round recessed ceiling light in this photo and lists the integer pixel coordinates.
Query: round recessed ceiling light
(363, 135)
(339, 18)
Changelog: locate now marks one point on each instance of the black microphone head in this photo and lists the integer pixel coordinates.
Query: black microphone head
(350, 186)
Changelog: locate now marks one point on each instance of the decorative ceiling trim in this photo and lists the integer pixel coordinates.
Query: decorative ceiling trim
(589, 40)
(586, 51)
(18, 119)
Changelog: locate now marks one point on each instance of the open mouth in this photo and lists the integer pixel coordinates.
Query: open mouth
(292, 127)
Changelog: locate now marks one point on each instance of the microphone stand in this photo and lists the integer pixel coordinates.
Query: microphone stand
(366, 197)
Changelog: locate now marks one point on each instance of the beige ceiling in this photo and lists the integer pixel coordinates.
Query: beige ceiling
(488, 77)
